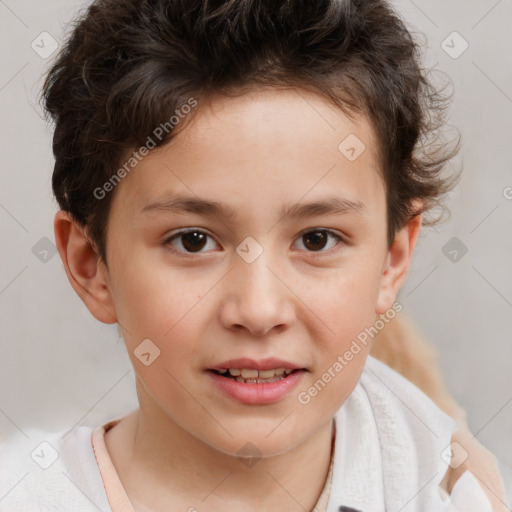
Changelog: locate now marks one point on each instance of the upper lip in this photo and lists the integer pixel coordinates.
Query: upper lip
(269, 363)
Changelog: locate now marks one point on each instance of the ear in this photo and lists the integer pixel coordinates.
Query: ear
(86, 272)
(398, 262)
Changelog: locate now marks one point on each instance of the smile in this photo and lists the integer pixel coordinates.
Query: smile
(254, 376)
(256, 382)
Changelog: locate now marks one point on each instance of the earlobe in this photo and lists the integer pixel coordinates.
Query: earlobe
(86, 273)
(398, 263)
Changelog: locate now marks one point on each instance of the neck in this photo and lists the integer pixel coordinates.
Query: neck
(162, 467)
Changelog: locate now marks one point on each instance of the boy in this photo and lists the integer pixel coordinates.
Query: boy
(241, 191)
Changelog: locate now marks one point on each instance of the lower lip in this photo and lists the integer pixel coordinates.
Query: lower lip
(257, 393)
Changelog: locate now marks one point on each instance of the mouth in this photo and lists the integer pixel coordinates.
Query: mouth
(254, 382)
(255, 376)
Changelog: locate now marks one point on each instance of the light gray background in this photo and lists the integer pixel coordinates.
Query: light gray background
(60, 367)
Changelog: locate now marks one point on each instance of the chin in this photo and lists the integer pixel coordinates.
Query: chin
(258, 442)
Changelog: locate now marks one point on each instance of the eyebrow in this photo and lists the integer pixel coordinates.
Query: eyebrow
(332, 205)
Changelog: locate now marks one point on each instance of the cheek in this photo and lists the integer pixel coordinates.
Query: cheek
(346, 309)
(157, 302)
(346, 300)
(346, 306)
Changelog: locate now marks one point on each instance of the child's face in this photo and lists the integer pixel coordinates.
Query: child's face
(303, 300)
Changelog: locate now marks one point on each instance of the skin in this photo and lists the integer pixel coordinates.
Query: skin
(257, 153)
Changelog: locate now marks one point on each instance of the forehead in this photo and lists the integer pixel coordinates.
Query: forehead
(261, 150)
(279, 119)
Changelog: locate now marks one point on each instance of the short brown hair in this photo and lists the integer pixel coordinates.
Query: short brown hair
(128, 65)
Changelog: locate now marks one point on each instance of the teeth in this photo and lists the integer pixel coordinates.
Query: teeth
(251, 375)
(258, 381)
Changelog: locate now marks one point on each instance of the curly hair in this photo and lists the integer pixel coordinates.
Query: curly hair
(128, 65)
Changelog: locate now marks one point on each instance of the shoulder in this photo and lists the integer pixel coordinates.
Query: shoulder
(395, 438)
(393, 393)
(410, 425)
(394, 446)
(44, 470)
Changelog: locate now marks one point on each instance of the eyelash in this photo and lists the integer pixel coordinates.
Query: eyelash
(168, 240)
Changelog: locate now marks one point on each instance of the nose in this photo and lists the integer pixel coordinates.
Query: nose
(256, 298)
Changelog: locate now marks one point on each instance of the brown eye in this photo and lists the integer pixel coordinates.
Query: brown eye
(192, 241)
(316, 240)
